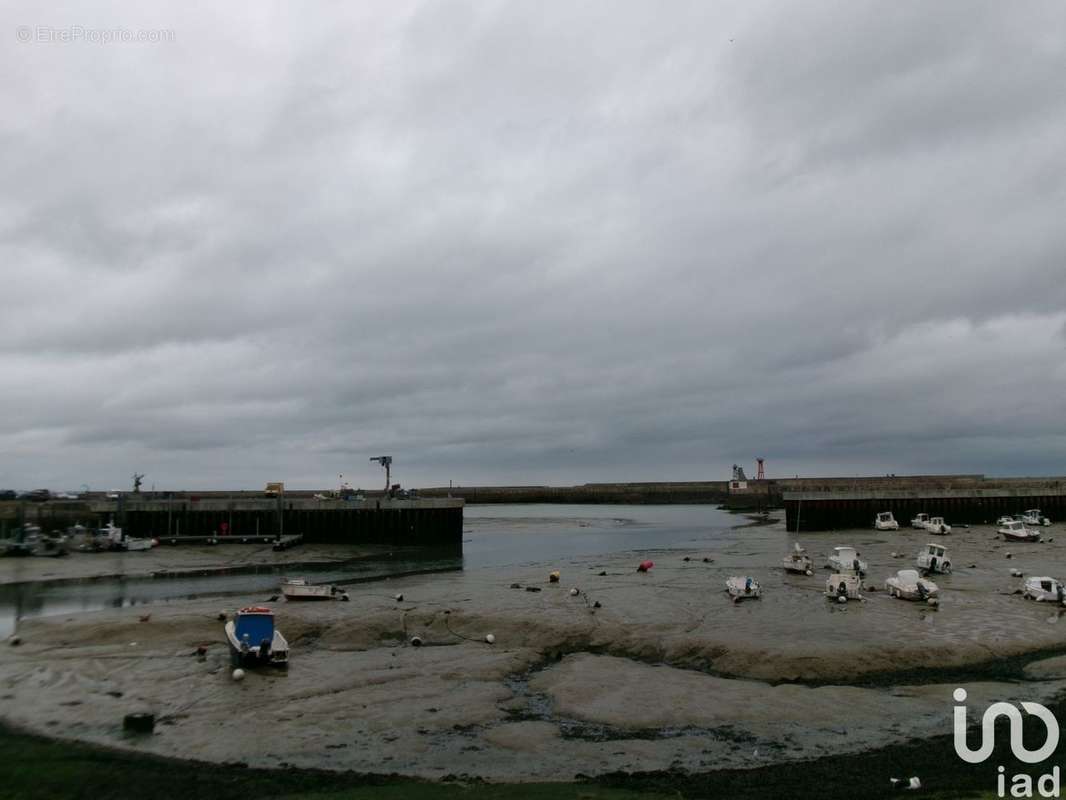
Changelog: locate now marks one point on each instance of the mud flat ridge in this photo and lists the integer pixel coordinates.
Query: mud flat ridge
(665, 674)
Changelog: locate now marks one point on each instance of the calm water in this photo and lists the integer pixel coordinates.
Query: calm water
(493, 536)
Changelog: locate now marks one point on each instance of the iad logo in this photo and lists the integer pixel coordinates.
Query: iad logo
(988, 722)
(1021, 784)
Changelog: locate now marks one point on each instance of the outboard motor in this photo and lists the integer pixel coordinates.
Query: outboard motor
(264, 651)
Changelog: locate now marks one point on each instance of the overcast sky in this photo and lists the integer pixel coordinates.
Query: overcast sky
(530, 242)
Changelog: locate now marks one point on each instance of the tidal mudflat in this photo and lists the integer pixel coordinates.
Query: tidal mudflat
(635, 672)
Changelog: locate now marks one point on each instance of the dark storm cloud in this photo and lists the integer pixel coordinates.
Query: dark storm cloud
(511, 242)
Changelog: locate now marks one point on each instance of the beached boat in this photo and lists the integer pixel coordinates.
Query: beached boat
(1004, 520)
(798, 561)
(920, 520)
(907, 584)
(21, 541)
(886, 522)
(302, 589)
(50, 545)
(1015, 531)
(742, 588)
(937, 525)
(847, 585)
(254, 641)
(1034, 517)
(934, 558)
(845, 560)
(1044, 590)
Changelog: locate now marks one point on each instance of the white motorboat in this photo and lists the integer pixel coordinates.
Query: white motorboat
(1004, 520)
(934, 558)
(886, 522)
(743, 588)
(844, 585)
(253, 640)
(1034, 517)
(907, 584)
(1015, 531)
(846, 559)
(302, 589)
(920, 520)
(937, 525)
(798, 561)
(1044, 590)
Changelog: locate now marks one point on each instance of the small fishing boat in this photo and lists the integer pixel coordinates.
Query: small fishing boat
(907, 584)
(934, 558)
(253, 640)
(798, 561)
(1034, 517)
(742, 588)
(886, 522)
(21, 542)
(50, 545)
(846, 559)
(920, 520)
(1015, 531)
(1044, 590)
(938, 526)
(302, 589)
(846, 585)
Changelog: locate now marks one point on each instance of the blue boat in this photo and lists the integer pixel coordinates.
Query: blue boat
(253, 640)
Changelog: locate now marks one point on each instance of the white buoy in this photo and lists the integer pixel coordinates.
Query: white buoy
(914, 784)
(575, 592)
(399, 598)
(842, 599)
(810, 572)
(416, 641)
(490, 638)
(933, 602)
(238, 674)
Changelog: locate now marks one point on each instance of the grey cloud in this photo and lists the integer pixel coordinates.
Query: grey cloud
(528, 243)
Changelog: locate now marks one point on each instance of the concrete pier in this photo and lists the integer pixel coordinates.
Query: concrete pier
(402, 522)
(834, 510)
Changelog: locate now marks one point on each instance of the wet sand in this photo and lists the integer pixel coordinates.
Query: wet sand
(174, 560)
(667, 673)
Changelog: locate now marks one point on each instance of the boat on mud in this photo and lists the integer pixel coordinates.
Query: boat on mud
(743, 588)
(934, 558)
(907, 584)
(919, 521)
(254, 641)
(886, 522)
(845, 560)
(938, 526)
(1015, 531)
(1033, 517)
(302, 589)
(798, 561)
(844, 586)
(1044, 590)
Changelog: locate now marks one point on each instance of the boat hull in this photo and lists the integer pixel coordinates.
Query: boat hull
(277, 655)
